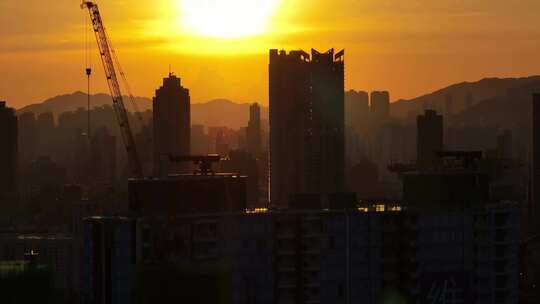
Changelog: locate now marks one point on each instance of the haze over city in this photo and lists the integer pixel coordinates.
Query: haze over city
(408, 47)
(269, 152)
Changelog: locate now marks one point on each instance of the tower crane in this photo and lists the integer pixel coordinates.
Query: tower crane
(106, 53)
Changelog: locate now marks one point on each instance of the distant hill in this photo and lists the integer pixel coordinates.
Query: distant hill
(480, 91)
(509, 110)
(71, 102)
(223, 112)
(217, 112)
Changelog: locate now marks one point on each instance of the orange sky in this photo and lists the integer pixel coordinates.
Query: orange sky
(409, 47)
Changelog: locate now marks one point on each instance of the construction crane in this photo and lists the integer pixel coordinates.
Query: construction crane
(106, 53)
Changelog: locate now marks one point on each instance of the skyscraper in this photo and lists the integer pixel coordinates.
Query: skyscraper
(110, 255)
(253, 131)
(327, 145)
(172, 123)
(380, 106)
(46, 128)
(306, 123)
(357, 110)
(8, 151)
(534, 209)
(429, 138)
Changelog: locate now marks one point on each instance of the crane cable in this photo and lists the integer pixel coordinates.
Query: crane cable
(134, 106)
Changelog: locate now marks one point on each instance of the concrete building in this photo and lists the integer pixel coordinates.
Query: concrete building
(187, 194)
(110, 256)
(253, 131)
(8, 151)
(371, 254)
(172, 123)
(380, 106)
(429, 138)
(306, 123)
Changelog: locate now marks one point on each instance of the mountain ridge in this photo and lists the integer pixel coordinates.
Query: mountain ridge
(215, 112)
(483, 89)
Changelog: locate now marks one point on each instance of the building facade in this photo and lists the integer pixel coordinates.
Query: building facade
(110, 256)
(372, 254)
(306, 123)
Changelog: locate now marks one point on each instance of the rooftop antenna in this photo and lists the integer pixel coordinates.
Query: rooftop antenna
(170, 73)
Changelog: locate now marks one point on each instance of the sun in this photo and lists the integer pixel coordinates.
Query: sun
(226, 18)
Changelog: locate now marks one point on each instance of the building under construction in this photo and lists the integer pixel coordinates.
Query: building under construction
(202, 191)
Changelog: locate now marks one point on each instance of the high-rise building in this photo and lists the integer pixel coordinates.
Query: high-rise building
(46, 128)
(429, 138)
(374, 254)
(103, 157)
(28, 137)
(306, 123)
(327, 122)
(534, 211)
(110, 256)
(357, 110)
(8, 151)
(172, 122)
(253, 131)
(380, 106)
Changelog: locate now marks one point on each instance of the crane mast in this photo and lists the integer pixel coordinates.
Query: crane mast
(105, 51)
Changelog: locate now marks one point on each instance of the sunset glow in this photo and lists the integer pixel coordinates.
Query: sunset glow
(226, 18)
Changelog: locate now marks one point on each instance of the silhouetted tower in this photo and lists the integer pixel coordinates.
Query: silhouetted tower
(534, 211)
(429, 138)
(289, 100)
(306, 123)
(380, 106)
(8, 151)
(328, 122)
(172, 123)
(357, 109)
(253, 131)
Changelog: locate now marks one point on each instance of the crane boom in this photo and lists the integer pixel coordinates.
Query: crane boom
(105, 50)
